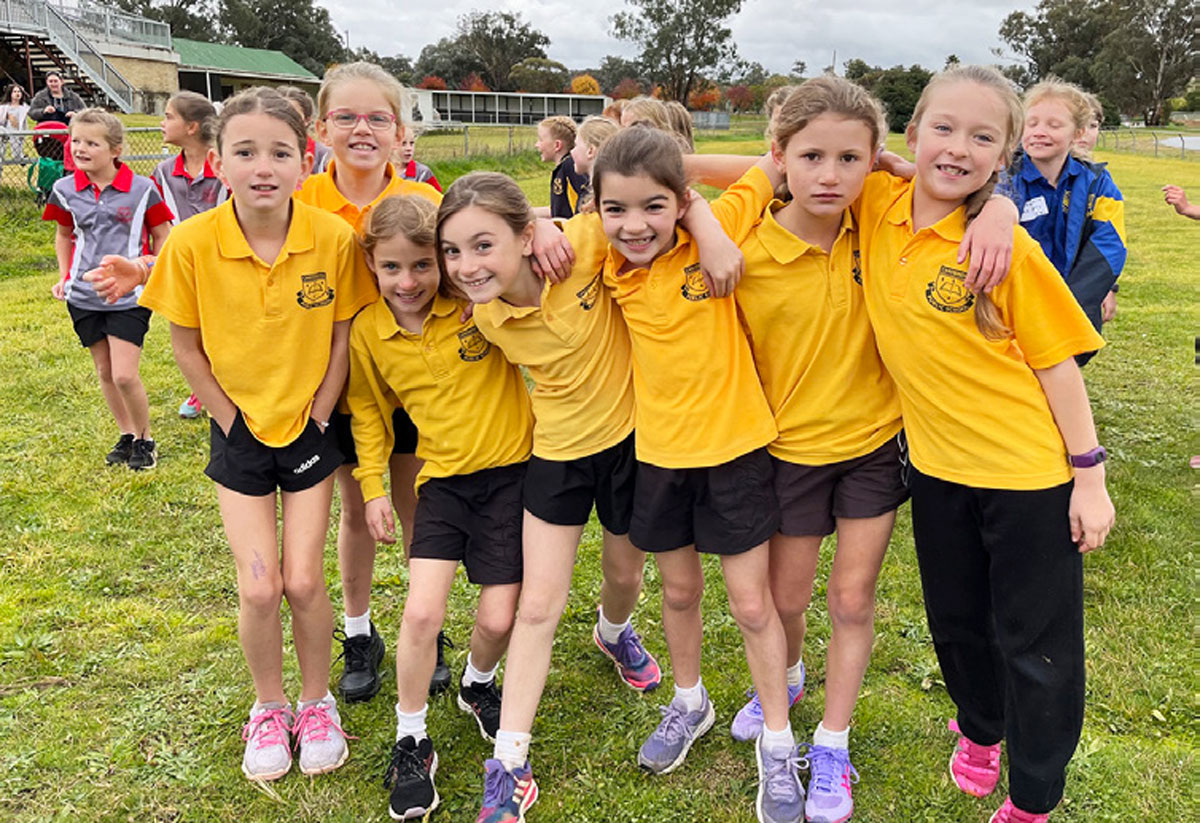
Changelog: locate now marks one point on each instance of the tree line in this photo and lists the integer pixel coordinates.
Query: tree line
(1137, 55)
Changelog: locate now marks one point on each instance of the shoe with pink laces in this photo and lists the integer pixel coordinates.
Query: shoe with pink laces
(268, 748)
(1008, 813)
(974, 768)
(319, 736)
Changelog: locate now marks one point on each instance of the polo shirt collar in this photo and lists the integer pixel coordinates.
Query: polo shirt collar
(502, 312)
(330, 194)
(180, 169)
(122, 182)
(786, 247)
(1030, 173)
(231, 242)
(950, 227)
(385, 321)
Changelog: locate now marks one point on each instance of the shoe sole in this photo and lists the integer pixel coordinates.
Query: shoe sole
(762, 788)
(329, 768)
(266, 778)
(701, 730)
(363, 695)
(649, 687)
(418, 811)
(754, 736)
(466, 707)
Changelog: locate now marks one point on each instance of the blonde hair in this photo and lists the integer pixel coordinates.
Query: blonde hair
(613, 112)
(647, 110)
(114, 132)
(561, 128)
(771, 107)
(1097, 107)
(681, 123)
(595, 130)
(1070, 95)
(987, 315)
(391, 88)
(409, 216)
(828, 95)
(265, 100)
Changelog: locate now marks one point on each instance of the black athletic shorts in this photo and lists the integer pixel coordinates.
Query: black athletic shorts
(811, 498)
(563, 491)
(474, 519)
(402, 427)
(92, 326)
(242, 462)
(726, 509)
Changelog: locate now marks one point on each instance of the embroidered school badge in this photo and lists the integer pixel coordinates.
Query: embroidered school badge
(124, 214)
(556, 186)
(694, 287)
(946, 292)
(589, 293)
(472, 345)
(856, 271)
(314, 291)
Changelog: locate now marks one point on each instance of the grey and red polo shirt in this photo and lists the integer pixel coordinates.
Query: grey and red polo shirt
(116, 220)
(185, 195)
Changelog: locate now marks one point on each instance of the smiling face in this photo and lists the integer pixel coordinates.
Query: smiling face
(55, 84)
(959, 143)
(261, 161)
(407, 273)
(483, 255)
(90, 148)
(360, 147)
(1049, 133)
(825, 164)
(639, 216)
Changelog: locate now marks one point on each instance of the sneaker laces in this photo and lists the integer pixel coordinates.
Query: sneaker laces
(405, 762)
(313, 723)
(269, 727)
(498, 786)
(356, 650)
(754, 707)
(1011, 814)
(673, 727)
(829, 766)
(628, 649)
(780, 777)
(972, 755)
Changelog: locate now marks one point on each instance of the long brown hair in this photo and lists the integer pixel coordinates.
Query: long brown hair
(269, 102)
(641, 149)
(491, 191)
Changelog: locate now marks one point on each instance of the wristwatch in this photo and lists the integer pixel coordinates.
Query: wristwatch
(1088, 459)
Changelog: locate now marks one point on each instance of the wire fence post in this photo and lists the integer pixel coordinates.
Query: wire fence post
(1154, 137)
(510, 140)
(466, 141)
(1182, 147)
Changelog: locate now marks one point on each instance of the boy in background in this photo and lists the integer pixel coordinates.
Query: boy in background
(556, 138)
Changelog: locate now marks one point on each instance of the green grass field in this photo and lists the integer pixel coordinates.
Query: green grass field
(123, 690)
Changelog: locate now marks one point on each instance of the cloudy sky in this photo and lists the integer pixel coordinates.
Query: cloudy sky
(773, 32)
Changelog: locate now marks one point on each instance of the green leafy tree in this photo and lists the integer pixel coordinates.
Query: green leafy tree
(614, 69)
(445, 60)
(679, 39)
(798, 69)
(539, 75)
(898, 88)
(299, 28)
(497, 41)
(190, 19)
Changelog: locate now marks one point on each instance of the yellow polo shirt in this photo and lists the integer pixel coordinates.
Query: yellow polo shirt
(974, 411)
(812, 341)
(266, 328)
(321, 190)
(576, 348)
(469, 404)
(699, 400)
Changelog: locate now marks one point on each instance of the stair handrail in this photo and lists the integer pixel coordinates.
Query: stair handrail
(84, 54)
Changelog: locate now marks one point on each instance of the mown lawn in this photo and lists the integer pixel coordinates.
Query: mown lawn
(123, 691)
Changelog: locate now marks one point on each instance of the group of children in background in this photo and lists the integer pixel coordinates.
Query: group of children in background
(850, 359)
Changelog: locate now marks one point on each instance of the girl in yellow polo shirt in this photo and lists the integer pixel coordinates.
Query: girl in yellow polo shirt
(1007, 476)
(471, 407)
(262, 273)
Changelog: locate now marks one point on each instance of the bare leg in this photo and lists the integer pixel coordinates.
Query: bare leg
(356, 547)
(549, 551)
(793, 566)
(124, 357)
(622, 564)
(404, 469)
(305, 524)
(746, 581)
(682, 588)
(112, 395)
(494, 618)
(250, 528)
(429, 583)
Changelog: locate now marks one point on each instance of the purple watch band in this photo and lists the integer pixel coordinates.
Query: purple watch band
(1088, 459)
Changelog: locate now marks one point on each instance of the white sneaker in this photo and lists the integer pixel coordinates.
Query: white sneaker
(319, 736)
(268, 747)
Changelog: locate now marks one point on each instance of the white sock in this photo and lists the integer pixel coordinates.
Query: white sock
(511, 749)
(304, 704)
(411, 725)
(472, 675)
(795, 673)
(358, 626)
(773, 741)
(610, 632)
(692, 697)
(831, 740)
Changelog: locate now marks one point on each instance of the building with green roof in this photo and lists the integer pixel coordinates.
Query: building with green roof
(219, 71)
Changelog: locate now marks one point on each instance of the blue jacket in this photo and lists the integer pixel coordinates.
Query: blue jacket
(1080, 224)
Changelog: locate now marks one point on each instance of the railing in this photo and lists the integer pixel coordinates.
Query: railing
(1151, 141)
(113, 24)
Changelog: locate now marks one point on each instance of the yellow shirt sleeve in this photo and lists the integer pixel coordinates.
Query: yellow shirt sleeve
(741, 205)
(171, 289)
(371, 404)
(586, 235)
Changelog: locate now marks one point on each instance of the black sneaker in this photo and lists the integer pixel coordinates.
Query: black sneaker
(410, 777)
(120, 452)
(441, 672)
(483, 701)
(144, 455)
(360, 674)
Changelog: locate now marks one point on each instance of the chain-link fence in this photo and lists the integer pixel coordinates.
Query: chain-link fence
(144, 149)
(1151, 142)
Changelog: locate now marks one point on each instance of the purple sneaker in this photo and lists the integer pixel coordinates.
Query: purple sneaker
(666, 748)
(506, 795)
(748, 722)
(636, 666)
(830, 776)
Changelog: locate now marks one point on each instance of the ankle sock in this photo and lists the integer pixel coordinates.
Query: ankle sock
(776, 740)
(411, 725)
(832, 740)
(692, 697)
(511, 749)
(795, 673)
(472, 675)
(610, 632)
(301, 705)
(358, 626)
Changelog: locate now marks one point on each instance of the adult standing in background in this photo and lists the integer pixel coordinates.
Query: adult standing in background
(54, 103)
(13, 110)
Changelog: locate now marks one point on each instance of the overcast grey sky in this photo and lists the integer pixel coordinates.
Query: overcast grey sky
(773, 32)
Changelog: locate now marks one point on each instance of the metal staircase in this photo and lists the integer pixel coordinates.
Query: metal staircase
(48, 41)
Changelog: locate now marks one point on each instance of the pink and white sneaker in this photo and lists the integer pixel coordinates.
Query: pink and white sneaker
(1008, 813)
(268, 748)
(319, 736)
(974, 768)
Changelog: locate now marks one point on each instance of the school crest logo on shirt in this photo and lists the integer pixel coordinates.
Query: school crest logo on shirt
(946, 292)
(472, 345)
(856, 271)
(314, 291)
(124, 214)
(694, 287)
(589, 293)
(556, 186)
